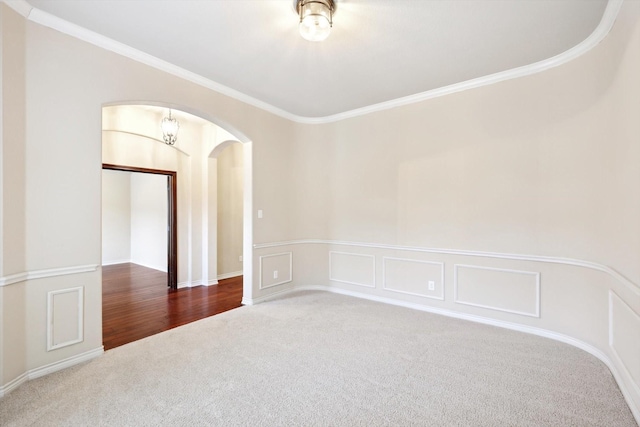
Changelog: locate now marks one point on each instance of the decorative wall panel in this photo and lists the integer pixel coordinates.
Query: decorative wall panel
(352, 268)
(512, 291)
(624, 335)
(65, 314)
(413, 277)
(276, 269)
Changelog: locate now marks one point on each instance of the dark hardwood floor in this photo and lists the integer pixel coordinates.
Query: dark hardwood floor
(137, 303)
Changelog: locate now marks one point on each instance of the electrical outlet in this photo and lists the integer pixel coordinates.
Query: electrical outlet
(240, 258)
(259, 213)
(432, 285)
(275, 274)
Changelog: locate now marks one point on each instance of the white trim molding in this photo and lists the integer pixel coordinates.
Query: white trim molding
(20, 6)
(49, 369)
(51, 345)
(516, 257)
(536, 275)
(332, 278)
(65, 363)
(282, 282)
(384, 277)
(616, 355)
(229, 275)
(43, 274)
(619, 375)
(43, 18)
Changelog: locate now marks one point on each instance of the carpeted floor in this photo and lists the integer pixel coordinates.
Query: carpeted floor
(320, 359)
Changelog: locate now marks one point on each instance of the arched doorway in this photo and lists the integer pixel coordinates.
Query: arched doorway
(132, 138)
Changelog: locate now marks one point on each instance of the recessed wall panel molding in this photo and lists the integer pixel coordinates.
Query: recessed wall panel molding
(65, 315)
(511, 291)
(413, 277)
(352, 268)
(633, 287)
(276, 269)
(624, 336)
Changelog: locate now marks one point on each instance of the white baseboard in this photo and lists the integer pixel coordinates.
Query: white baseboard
(254, 301)
(12, 385)
(229, 275)
(619, 376)
(65, 363)
(118, 261)
(50, 368)
(154, 267)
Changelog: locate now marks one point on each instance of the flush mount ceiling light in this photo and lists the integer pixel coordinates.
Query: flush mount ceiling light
(316, 18)
(169, 130)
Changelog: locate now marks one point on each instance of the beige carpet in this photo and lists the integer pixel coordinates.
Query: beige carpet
(323, 359)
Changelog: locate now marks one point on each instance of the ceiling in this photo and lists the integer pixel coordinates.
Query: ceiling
(378, 51)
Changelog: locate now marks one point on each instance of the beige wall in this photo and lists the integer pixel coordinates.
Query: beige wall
(504, 181)
(519, 201)
(149, 220)
(116, 217)
(229, 207)
(12, 193)
(67, 83)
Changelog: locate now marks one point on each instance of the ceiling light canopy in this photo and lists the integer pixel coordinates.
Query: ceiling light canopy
(170, 128)
(316, 18)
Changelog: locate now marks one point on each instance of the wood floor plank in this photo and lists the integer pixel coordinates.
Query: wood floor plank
(136, 303)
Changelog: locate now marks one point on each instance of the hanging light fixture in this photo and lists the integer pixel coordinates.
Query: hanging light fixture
(170, 128)
(316, 18)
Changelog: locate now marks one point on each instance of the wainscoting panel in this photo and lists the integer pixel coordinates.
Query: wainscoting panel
(512, 291)
(65, 314)
(413, 277)
(624, 335)
(351, 268)
(276, 269)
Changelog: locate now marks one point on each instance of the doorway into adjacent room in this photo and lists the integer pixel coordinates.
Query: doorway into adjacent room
(186, 225)
(139, 222)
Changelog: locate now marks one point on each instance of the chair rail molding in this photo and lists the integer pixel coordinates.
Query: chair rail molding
(514, 257)
(43, 274)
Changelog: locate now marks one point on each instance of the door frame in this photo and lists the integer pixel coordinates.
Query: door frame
(172, 214)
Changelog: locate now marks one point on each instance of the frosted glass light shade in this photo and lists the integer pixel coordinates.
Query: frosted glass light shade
(315, 19)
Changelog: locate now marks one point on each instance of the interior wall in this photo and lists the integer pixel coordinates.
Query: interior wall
(541, 165)
(513, 204)
(12, 195)
(61, 245)
(116, 217)
(149, 220)
(229, 210)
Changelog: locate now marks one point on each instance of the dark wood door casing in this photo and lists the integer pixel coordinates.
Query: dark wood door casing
(172, 240)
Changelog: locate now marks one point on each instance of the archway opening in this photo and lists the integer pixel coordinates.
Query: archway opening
(132, 138)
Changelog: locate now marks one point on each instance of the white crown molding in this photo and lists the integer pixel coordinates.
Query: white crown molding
(601, 31)
(20, 6)
(42, 274)
(517, 257)
(48, 20)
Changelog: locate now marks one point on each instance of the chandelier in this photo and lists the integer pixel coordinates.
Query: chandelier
(170, 128)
